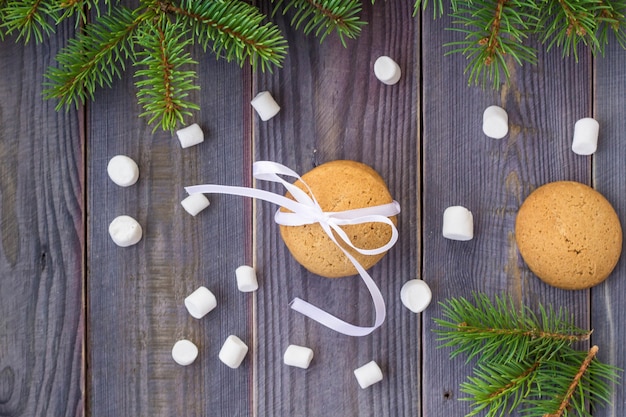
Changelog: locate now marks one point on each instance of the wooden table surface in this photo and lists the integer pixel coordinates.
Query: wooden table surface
(86, 327)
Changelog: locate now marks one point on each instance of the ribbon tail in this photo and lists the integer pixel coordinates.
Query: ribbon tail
(337, 324)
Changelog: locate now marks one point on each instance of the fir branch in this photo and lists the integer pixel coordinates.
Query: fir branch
(499, 387)
(165, 84)
(547, 379)
(80, 9)
(482, 328)
(569, 384)
(567, 398)
(234, 28)
(322, 17)
(491, 32)
(611, 19)
(28, 18)
(93, 58)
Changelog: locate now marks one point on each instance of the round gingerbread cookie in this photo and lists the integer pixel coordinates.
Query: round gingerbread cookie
(569, 235)
(337, 186)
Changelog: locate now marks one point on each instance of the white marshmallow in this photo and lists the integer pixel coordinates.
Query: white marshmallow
(200, 302)
(387, 70)
(298, 356)
(458, 223)
(233, 351)
(125, 231)
(368, 374)
(123, 170)
(184, 352)
(195, 203)
(246, 279)
(190, 135)
(495, 122)
(265, 105)
(585, 136)
(416, 295)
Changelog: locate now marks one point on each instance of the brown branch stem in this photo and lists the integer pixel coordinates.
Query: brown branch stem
(573, 21)
(515, 381)
(170, 106)
(169, 7)
(335, 18)
(572, 387)
(492, 42)
(533, 333)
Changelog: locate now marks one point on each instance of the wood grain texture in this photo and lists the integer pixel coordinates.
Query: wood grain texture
(62, 276)
(41, 240)
(334, 108)
(136, 310)
(607, 301)
(491, 178)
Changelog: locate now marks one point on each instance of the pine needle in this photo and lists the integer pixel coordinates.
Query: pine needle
(491, 330)
(94, 58)
(234, 28)
(324, 17)
(164, 82)
(30, 19)
(523, 361)
(493, 35)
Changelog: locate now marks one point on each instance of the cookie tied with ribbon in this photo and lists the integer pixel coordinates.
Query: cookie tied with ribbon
(339, 186)
(362, 210)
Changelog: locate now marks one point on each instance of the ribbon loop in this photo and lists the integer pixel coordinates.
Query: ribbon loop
(304, 209)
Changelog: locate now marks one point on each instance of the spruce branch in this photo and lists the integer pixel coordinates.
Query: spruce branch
(501, 387)
(611, 20)
(234, 28)
(164, 84)
(567, 23)
(80, 9)
(491, 329)
(492, 31)
(29, 19)
(94, 58)
(527, 362)
(494, 35)
(322, 17)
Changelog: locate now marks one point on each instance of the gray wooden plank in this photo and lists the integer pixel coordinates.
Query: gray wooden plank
(42, 239)
(334, 108)
(607, 316)
(491, 178)
(136, 310)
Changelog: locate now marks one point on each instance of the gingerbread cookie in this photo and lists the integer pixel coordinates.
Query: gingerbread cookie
(569, 235)
(337, 186)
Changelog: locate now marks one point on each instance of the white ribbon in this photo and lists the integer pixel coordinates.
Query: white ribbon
(305, 210)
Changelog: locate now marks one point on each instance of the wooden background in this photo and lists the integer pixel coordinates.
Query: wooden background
(86, 327)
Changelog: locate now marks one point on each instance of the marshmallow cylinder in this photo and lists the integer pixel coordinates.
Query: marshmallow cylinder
(200, 302)
(265, 105)
(585, 136)
(368, 374)
(458, 223)
(184, 352)
(387, 70)
(495, 122)
(416, 295)
(125, 231)
(298, 356)
(123, 171)
(190, 135)
(233, 351)
(246, 278)
(195, 203)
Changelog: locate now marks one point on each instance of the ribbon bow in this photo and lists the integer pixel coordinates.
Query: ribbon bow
(306, 210)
